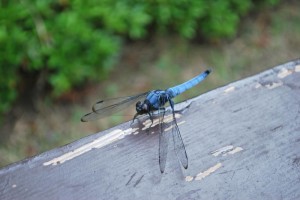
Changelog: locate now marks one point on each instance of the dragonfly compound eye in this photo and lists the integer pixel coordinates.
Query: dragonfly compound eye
(138, 106)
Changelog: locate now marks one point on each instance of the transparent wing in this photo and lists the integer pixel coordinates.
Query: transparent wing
(179, 145)
(107, 107)
(114, 103)
(163, 143)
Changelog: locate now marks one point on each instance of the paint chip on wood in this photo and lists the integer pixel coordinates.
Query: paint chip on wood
(227, 150)
(206, 173)
(229, 89)
(273, 85)
(189, 178)
(222, 150)
(235, 150)
(258, 85)
(283, 73)
(167, 119)
(297, 68)
(98, 143)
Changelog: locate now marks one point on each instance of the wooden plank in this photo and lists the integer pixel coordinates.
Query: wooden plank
(242, 141)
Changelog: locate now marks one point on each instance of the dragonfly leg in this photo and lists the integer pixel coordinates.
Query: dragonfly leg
(164, 111)
(135, 116)
(172, 106)
(151, 118)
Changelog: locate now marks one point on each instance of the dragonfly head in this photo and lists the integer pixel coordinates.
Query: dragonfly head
(142, 108)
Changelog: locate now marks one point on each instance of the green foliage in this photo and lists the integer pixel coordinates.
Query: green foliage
(179, 16)
(79, 40)
(7, 87)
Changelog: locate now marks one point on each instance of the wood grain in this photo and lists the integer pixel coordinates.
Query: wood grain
(242, 140)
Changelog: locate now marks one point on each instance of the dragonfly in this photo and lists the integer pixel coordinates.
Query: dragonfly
(152, 103)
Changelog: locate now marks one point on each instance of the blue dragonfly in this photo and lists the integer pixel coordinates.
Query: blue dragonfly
(151, 103)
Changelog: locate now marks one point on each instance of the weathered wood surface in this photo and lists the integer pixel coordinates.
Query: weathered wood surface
(243, 142)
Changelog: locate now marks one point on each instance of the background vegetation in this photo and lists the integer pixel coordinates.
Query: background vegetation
(53, 54)
(64, 43)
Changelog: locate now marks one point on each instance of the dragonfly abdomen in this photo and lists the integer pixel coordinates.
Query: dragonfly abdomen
(178, 89)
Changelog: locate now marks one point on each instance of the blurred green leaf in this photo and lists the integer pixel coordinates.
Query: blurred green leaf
(80, 40)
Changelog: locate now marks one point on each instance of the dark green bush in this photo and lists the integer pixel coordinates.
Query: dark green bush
(79, 40)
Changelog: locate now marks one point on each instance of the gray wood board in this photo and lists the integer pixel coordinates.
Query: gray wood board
(242, 142)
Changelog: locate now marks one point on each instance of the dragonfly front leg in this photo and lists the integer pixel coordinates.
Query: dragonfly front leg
(135, 116)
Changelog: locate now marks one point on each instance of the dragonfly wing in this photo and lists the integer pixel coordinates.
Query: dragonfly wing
(163, 144)
(90, 117)
(113, 102)
(179, 145)
(107, 107)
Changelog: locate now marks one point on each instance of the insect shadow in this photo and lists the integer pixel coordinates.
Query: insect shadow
(143, 124)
